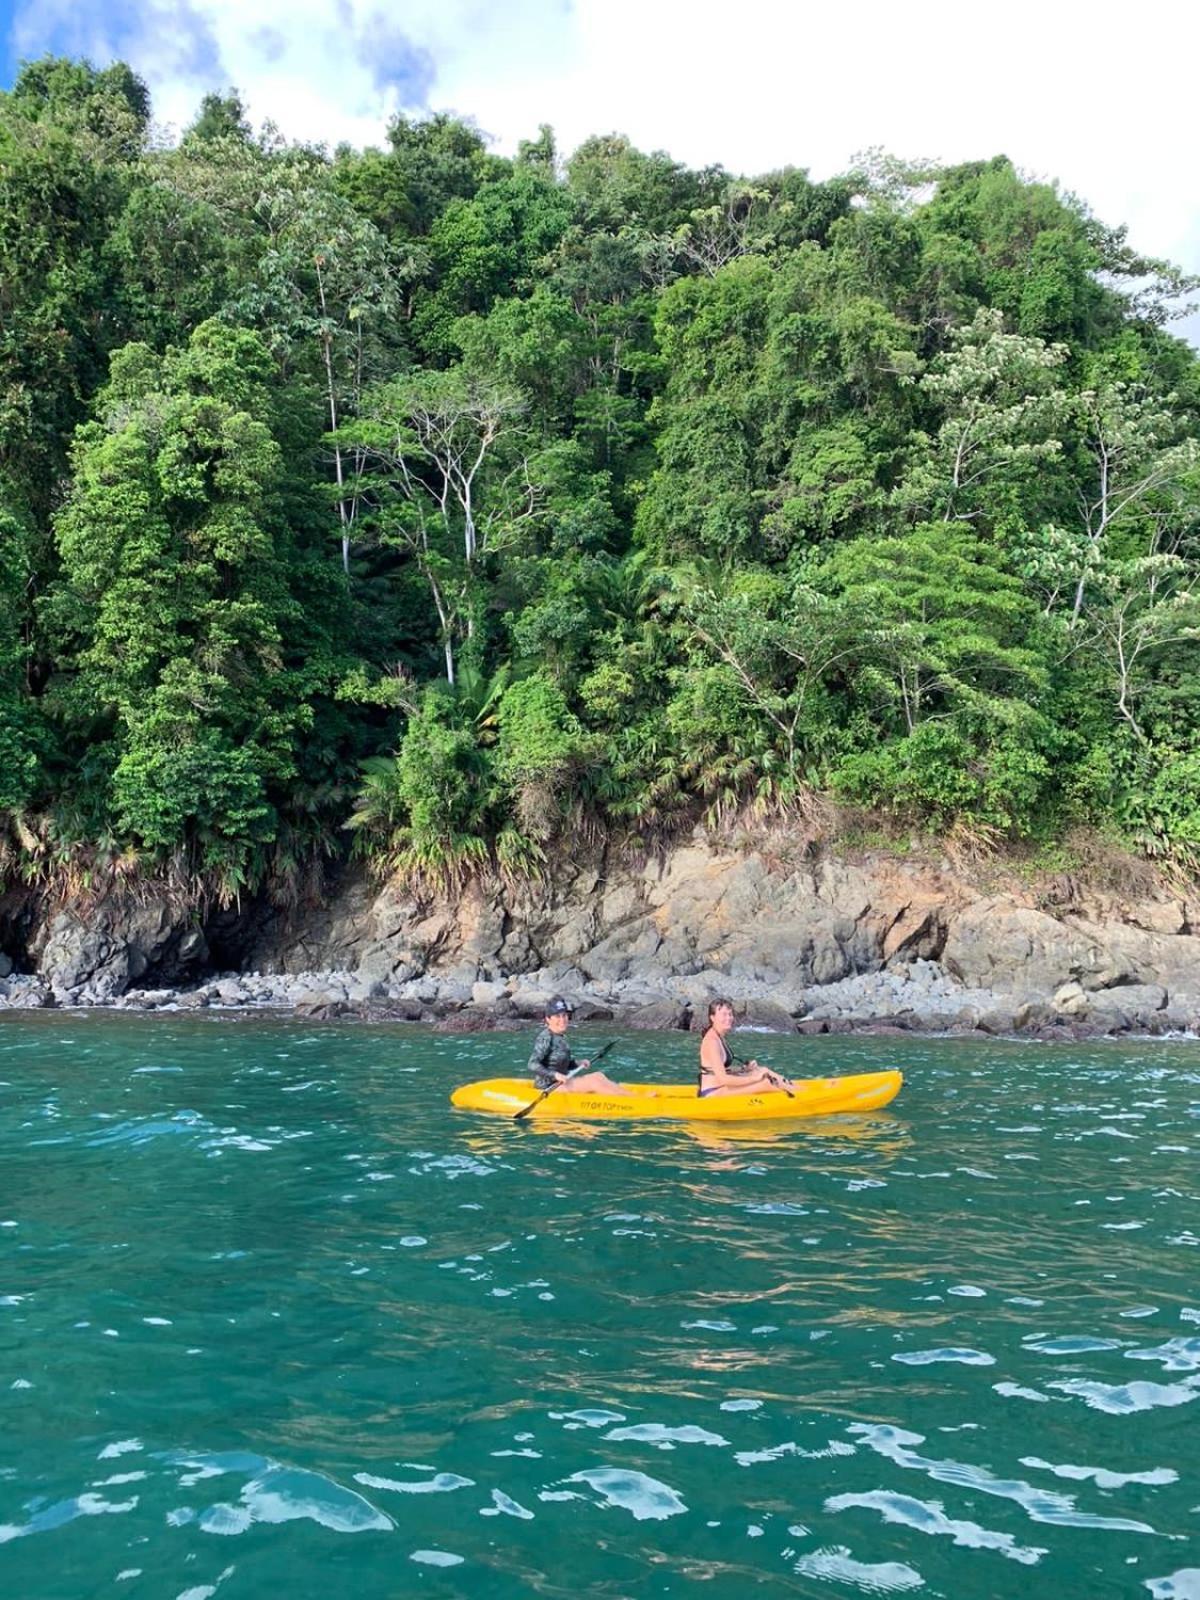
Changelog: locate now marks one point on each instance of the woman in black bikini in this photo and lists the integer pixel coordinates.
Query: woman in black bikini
(716, 1060)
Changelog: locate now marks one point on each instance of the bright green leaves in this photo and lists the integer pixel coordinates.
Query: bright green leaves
(486, 247)
(485, 771)
(19, 766)
(941, 659)
(174, 604)
(660, 493)
(1002, 418)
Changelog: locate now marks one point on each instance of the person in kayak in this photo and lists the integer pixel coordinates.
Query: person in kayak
(550, 1059)
(717, 1074)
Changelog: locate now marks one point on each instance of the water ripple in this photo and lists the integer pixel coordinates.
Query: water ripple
(243, 1326)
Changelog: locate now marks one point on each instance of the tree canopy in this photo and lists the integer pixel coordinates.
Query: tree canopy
(438, 505)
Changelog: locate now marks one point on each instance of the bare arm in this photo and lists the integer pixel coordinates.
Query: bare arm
(712, 1064)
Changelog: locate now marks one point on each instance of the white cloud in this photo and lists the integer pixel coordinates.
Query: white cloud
(1100, 101)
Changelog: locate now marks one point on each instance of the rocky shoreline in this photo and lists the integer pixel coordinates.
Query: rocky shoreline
(821, 945)
(921, 998)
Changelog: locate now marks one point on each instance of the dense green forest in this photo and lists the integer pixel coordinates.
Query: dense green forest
(443, 506)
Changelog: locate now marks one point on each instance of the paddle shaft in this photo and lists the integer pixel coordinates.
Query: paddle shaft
(600, 1054)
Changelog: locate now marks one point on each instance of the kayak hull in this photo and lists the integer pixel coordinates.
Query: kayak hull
(644, 1102)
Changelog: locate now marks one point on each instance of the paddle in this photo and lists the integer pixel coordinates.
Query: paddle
(781, 1084)
(599, 1056)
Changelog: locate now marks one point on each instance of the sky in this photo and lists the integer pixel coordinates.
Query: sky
(1099, 99)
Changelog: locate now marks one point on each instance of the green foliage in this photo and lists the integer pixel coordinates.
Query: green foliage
(172, 610)
(938, 772)
(19, 764)
(484, 500)
(539, 751)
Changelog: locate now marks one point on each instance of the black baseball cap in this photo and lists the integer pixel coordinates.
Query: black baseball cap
(558, 1007)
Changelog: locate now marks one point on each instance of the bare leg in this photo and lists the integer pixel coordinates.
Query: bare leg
(594, 1083)
(598, 1083)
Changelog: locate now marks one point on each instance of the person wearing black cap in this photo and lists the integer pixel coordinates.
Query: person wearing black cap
(550, 1060)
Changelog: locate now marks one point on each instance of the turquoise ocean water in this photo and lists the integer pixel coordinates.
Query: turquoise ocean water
(276, 1321)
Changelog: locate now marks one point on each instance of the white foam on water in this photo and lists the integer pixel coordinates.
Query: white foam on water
(436, 1558)
(929, 1517)
(1040, 1505)
(1017, 1391)
(1101, 1476)
(1123, 1399)
(835, 1564)
(752, 1458)
(442, 1483)
(645, 1498)
(505, 1505)
(60, 1512)
(237, 1141)
(926, 1358)
(1070, 1345)
(225, 1519)
(664, 1438)
(1176, 1355)
(1181, 1585)
(274, 1493)
(589, 1418)
(289, 1494)
(121, 1448)
(205, 1591)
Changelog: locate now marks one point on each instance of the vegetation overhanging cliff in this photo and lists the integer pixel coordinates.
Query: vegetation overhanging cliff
(455, 506)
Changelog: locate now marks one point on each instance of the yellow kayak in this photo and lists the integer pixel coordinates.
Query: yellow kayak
(644, 1102)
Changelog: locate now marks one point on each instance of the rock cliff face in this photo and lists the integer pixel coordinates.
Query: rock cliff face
(831, 941)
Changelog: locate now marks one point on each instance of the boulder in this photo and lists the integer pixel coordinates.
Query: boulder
(1139, 1001)
(1108, 1019)
(919, 931)
(322, 1010)
(1070, 999)
(487, 994)
(96, 949)
(1034, 1015)
(465, 1022)
(661, 1015)
(997, 1019)
(996, 944)
(764, 1014)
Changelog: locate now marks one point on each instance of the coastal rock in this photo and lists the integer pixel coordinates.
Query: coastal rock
(1139, 1001)
(488, 994)
(661, 1015)
(25, 992)
(994, 944)
(767, 1016)
(91, 951)
(787, 933)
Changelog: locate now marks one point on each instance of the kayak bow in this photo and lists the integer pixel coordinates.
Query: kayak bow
(644, 1102)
